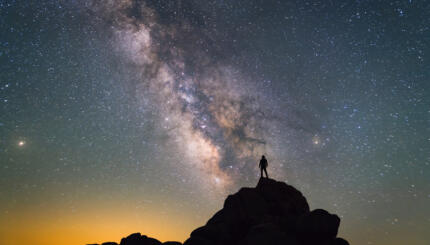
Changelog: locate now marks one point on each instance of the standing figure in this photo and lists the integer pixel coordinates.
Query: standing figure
(263, 165)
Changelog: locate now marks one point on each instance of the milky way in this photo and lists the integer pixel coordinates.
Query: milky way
(209, 109)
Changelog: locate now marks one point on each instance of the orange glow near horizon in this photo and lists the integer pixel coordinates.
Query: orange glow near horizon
(110, 223)
(47, 226)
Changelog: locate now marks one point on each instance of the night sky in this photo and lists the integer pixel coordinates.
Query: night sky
(142, 116)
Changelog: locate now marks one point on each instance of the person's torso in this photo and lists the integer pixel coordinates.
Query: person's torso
(263, 163)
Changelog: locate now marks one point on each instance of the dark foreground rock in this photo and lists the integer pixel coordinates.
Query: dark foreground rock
(138, 239)
(272, 213)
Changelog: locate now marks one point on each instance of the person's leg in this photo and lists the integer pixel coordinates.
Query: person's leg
(261, 172)
(265, 171)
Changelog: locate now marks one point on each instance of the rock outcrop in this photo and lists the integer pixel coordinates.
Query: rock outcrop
(272, 213)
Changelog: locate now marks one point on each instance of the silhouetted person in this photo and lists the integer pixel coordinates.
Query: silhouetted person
(263, 165)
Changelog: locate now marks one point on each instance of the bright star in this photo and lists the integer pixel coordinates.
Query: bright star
(21, 143)
(316, 140)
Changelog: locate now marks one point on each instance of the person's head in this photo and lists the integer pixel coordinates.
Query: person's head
(263, 156)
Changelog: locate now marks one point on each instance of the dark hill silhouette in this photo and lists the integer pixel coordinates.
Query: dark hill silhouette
(272, 213)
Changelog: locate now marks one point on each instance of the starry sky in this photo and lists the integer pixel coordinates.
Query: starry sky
(125, 116)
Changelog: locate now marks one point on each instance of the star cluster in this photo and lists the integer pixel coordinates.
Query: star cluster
(124, 116)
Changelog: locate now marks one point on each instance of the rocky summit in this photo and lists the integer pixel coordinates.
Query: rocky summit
(272, 213)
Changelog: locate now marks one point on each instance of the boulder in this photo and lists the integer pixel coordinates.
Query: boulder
(138, 239)
(340, 241)
(266, 214)
(286, 198)
(317, 226)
